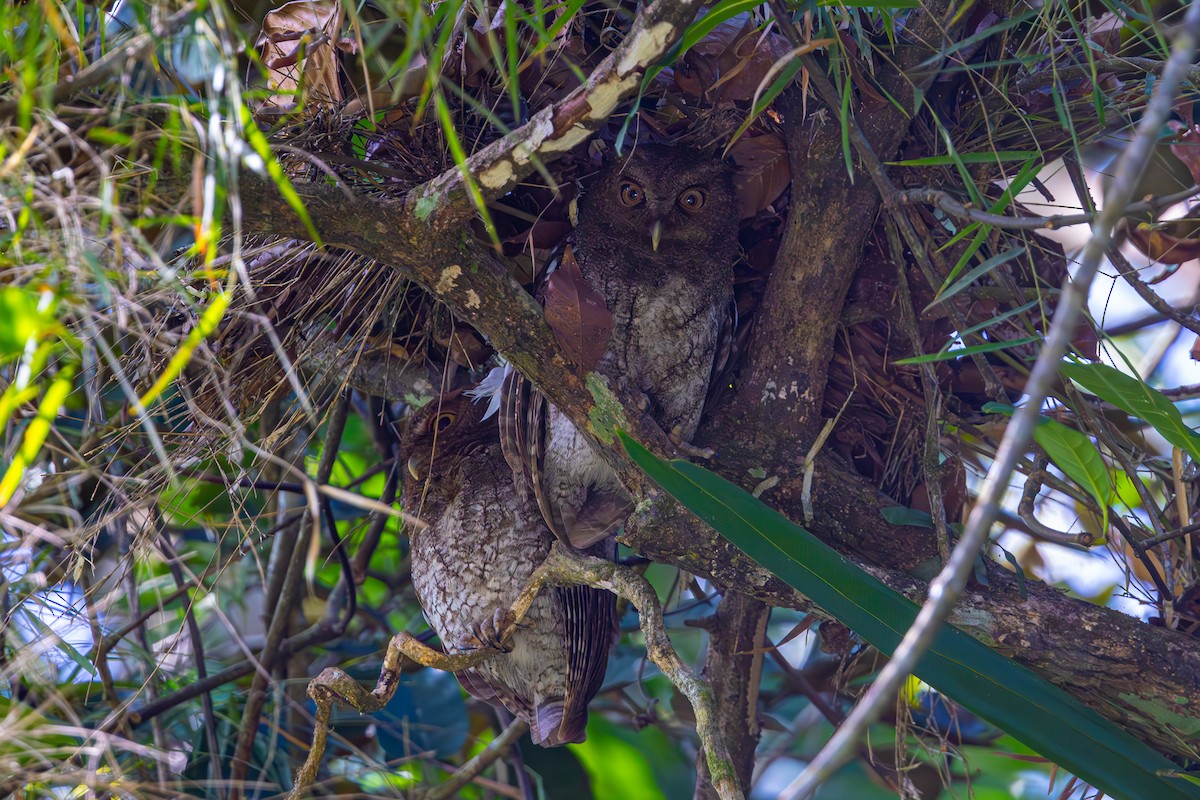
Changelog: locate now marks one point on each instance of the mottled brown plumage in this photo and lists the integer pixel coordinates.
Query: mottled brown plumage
(657, 238)
(484, 540)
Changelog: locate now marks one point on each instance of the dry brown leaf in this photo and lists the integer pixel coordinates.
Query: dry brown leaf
(763, 172)
(1170, 242)
(576, 313)
(729, 64)
(297, 44)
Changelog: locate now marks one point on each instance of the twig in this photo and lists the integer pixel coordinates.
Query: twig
(562, 567)
(1178, 533)
(1185, 318)
(480, 761)
(945, 590)
(281, 598)
(956, 208)
(1117, 64)
(1025, 510)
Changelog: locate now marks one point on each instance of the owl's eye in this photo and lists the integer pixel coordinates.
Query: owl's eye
(691, 200)
(443, 421)
(631, 194)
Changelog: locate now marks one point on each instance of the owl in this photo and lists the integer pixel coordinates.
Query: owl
(656, 239)
(484, 539)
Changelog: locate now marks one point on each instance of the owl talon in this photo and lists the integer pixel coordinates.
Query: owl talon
(687, 448)
(490, 633)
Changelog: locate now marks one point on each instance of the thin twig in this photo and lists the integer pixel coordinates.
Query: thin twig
(561, 567)
(956, 208)
(945, 590)
(1025, 510)
(480, 761)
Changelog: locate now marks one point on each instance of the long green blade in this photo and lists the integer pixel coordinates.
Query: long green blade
(996, 688)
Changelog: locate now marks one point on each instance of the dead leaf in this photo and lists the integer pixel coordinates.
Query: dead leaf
(762, 173)
(297, 44)
(577, 313)
(1171, 241)
(729, 64)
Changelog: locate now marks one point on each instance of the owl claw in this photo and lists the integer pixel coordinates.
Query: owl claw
(687, 448)
(492, 631)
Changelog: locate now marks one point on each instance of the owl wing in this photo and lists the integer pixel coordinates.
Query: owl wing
(524, 425)
(523, 415)
(590, 618)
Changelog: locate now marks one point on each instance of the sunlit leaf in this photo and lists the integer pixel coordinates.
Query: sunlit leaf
(1136, 398)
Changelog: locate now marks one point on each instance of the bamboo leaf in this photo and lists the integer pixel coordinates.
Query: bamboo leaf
(1001, 691)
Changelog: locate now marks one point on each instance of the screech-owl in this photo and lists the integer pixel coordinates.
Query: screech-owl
(484, 540)
(657, 238)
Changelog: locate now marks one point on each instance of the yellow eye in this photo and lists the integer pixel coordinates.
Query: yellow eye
(691, 200)
(444, 420)
(631, 194)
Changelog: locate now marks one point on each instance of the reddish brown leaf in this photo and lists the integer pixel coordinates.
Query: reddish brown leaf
(1187, 147)
(576, 313)
(728, 64)
(298, 43)
(1171, 242)
(762, 174)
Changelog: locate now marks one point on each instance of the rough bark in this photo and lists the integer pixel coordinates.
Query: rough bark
(733, 668)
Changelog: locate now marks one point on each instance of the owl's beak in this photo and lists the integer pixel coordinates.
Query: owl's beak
(416, 468)
(656, 234)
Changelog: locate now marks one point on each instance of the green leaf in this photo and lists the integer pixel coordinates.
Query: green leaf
(23, 317)
(1135, 398)
(62, 644)
(986, 347)
(969, 158)
(976, 274)
(1071, 451)
(1001, 691)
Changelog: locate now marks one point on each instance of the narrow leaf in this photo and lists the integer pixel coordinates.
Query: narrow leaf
(1001, 691)
(986, 347)
(976, 274)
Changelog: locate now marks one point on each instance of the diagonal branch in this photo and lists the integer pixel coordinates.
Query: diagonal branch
(560, 126)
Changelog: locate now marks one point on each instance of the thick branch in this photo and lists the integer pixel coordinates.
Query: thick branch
(559, 127)
(736, 636)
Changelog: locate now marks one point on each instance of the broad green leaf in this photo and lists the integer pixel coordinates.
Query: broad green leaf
(1071, 451)
(1135, 398)
(1001, 691)
(986, 347)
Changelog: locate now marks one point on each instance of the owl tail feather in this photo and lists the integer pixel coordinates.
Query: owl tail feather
(549, 728)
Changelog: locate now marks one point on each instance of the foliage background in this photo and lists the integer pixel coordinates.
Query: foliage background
(176, 381)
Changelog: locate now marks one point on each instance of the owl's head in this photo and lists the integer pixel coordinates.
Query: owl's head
(664, 198)
(436, 442)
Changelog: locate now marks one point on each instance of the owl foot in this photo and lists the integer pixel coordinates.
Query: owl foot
(687, 448)
(493, 631)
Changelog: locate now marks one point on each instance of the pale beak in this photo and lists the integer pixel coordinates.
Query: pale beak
(656, 235)
(414, 468)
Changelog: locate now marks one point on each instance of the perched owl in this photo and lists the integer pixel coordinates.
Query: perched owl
(484, 540)
(657, 238)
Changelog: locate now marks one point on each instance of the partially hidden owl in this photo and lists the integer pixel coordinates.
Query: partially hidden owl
(484, 539)
(657, 239)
